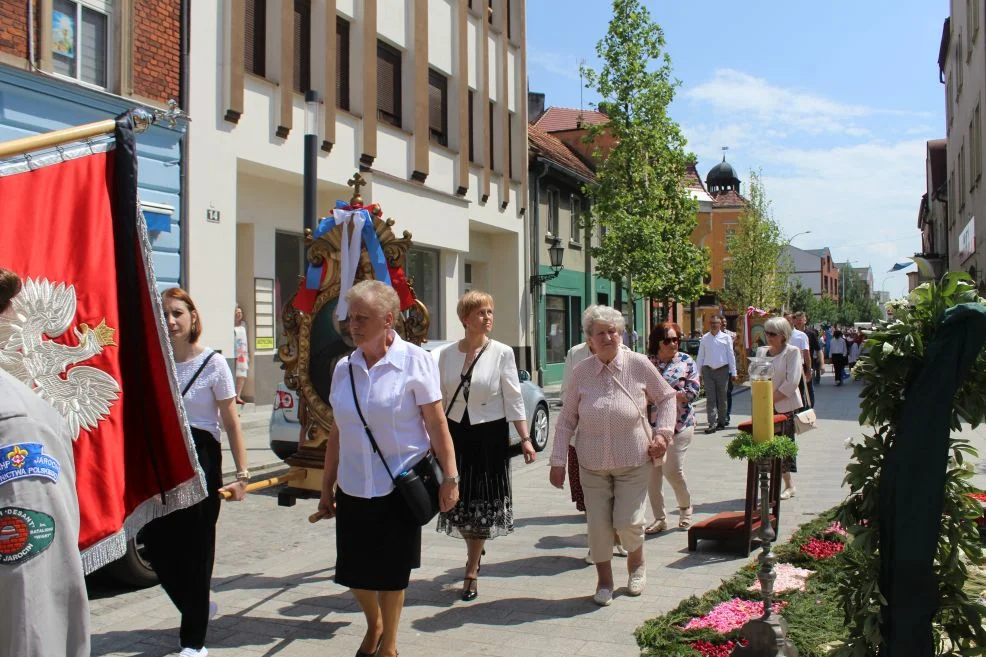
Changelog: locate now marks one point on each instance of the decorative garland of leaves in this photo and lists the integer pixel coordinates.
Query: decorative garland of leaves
(742, 447)
(896, 351)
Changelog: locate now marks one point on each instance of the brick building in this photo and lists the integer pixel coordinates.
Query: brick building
(70, 62)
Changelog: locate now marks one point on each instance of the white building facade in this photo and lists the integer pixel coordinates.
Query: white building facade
(426, 98)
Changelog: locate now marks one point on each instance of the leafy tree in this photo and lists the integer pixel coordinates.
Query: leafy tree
(855, 305)
(639, 197)
(799, 298)
(756, 273)
(823, 311)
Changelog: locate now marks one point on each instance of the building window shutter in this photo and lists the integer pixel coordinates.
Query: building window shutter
(302, 45)
(255, 37)
(342, 63)
(472, 129)
(492, 157)
(388, 84)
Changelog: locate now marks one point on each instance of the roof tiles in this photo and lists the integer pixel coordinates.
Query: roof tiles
(557, 119)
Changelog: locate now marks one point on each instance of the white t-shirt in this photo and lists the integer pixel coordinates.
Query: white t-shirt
(390, 394)
(214, 384)
(799, 339)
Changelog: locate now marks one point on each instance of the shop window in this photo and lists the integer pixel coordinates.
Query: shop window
(302, 45)
(342, 63)
(557, 328)
(255, 37)
(80, 40)
(438, 108)
(424, 275)
(388, 84)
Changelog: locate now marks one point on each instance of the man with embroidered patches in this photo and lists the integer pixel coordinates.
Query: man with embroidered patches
(45, 609)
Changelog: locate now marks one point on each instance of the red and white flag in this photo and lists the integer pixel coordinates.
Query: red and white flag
(87, 333)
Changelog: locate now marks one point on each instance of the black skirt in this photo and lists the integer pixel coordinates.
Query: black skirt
(377, 542)
(485, 508)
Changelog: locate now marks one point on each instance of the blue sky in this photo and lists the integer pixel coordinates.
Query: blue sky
(833, 101)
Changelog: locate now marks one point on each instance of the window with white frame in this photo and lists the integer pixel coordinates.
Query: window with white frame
(576, 219)
(554, 200)
(80, 36)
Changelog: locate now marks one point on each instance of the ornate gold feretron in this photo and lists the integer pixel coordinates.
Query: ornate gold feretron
(316, 340)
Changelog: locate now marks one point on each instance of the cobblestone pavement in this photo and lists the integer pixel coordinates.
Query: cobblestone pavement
(273, 576)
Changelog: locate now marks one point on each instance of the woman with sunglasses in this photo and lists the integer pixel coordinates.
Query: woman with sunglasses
(785, 362)
(681, 373)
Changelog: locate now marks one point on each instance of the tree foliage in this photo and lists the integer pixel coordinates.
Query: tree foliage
(856, 304)
(756, 274)
(896, 352)
(820, 310)
(639, 197)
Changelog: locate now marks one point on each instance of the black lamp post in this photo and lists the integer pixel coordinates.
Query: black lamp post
(311, 158)
(556, 252)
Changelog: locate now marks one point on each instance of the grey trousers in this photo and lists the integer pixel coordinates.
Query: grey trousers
(716, 382)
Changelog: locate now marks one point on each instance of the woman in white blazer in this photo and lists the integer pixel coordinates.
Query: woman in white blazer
(481, 392)
(787, 372)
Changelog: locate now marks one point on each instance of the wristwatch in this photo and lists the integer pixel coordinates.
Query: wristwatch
(243, 475)
(455, 480)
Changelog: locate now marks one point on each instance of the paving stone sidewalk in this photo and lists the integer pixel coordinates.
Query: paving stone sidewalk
(273, 577)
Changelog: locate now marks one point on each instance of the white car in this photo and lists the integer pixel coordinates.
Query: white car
(285, 428)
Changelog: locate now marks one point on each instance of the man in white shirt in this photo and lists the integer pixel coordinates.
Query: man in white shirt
(800, 340)
(717, 364)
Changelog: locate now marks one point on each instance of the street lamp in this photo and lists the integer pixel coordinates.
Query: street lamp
(556, 252)
(310, 183)
(791, 239)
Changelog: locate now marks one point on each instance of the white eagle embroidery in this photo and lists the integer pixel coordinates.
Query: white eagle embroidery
(82, 394)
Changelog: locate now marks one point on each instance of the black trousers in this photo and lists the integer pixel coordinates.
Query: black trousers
(181, 547)
(729, 399)
(839, 362)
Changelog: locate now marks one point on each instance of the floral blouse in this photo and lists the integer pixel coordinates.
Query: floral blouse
(682, 374)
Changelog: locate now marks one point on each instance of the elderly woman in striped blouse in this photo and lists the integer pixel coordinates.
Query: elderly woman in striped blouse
(617, 447)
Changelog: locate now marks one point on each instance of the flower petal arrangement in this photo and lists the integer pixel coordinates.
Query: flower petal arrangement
(730, 615)
(789, 578)
(819, 548)
(707, 649)
(835, 528)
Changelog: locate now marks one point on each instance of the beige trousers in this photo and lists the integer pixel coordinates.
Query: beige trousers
(674, 470)
(615, 499)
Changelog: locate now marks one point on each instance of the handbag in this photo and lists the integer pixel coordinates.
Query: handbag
(419, 484)
(804, 421)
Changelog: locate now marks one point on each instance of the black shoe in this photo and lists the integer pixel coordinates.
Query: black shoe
(709, 430)
(723, 425)
(470, 591)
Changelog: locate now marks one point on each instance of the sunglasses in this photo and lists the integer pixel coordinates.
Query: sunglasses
(770, 333)
(670, 340)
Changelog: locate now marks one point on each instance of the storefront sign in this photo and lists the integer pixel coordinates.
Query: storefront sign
(263, 314)
(967, 240)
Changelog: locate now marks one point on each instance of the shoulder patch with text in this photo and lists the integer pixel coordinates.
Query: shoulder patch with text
(24, 534)
(26, 460)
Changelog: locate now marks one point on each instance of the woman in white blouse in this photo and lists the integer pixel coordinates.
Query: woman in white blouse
(378, 542)
(481, 391)
(787, 372)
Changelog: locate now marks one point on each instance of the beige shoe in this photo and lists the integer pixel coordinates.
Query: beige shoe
(637, 581)
(788, 493)
(588, 558)
(685, 518)
(619, 550)
(656, 527)
(603, 597)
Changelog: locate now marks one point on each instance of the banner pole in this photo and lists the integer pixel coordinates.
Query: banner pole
(56, 138)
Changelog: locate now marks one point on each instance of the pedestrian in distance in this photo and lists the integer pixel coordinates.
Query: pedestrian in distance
(854, 347)
(481, 394)
(576, 355)
(716, 364)
(42, 587)
(787, 370)
(607, 402)
(839, 353)
(395, 386)
(181, 546)
(681, 373)
(241, 351)
(801, 340)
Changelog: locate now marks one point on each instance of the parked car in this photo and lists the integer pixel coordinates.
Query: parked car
(285, 429)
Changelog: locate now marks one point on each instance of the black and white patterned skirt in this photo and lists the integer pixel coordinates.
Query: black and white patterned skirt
(485, 507)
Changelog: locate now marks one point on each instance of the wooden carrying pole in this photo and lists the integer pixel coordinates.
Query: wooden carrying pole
(56, 138)
(294, 474)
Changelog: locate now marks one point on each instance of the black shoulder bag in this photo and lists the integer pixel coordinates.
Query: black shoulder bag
(419, 484)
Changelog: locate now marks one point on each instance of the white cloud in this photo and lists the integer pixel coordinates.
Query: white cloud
(740, 94)
(564, 65)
